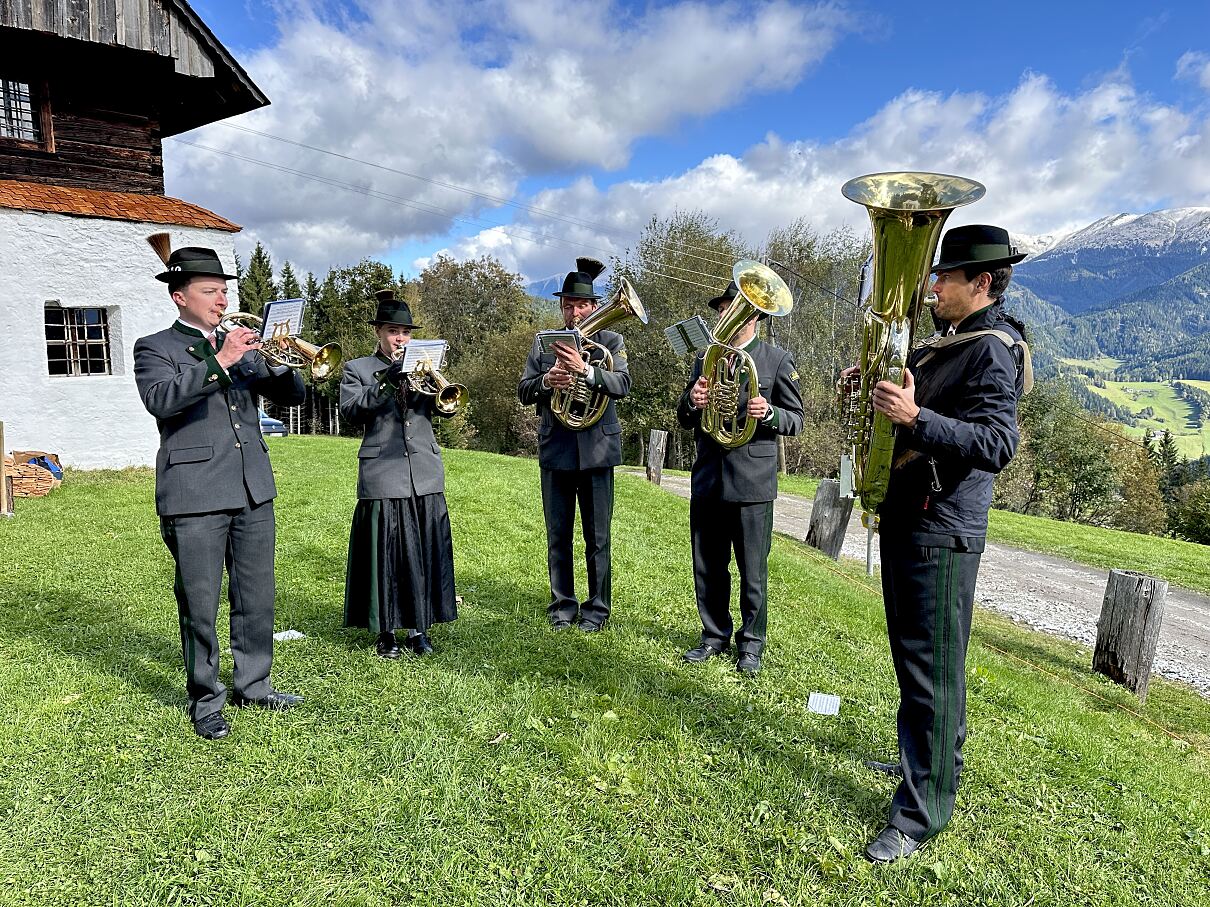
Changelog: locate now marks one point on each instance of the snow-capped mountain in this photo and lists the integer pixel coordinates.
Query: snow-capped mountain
(1116, 257)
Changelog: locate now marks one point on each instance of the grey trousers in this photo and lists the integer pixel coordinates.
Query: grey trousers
(593, 489)
(201, 544)
(929, 595)
(717, 529)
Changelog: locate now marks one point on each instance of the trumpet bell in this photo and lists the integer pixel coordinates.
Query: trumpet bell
(324, 360)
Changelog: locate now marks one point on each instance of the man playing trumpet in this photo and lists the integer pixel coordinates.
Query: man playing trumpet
(214, 487)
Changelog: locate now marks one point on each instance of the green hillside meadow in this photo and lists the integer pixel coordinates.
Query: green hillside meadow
(1171, 413)
(520, 766)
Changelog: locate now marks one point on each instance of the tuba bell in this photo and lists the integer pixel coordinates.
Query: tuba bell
(726, 368)
(282, 348)
(907, 212)
(427, 379)
(579, 406)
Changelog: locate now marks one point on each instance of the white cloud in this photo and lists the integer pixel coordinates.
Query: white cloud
(1051, 162)
(482, 94)
(1195, 66)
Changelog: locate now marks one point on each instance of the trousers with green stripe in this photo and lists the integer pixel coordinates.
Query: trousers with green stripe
(929, 594)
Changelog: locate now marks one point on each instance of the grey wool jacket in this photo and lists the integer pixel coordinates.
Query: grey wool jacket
(559, 447)
(399, 455)
(212, 456)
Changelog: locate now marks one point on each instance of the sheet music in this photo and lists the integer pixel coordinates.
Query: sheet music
(548, 339)
(288, 312)
(823, 704)
(417, 351)
(690, 335)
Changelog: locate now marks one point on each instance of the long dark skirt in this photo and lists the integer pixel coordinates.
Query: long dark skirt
(401, 565)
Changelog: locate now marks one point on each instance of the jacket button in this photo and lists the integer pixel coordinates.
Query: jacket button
(237, 425)
(237, 443)
(232, 409)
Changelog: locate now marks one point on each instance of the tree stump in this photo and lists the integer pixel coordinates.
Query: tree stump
(829, 519)
(1129, 628)
(655, 455)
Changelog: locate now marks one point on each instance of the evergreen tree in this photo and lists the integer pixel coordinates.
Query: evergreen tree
(257, 286)
(1168, 461)
(289, 283)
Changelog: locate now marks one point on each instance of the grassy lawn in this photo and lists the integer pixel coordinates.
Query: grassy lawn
(519, 766)
(1171, 413)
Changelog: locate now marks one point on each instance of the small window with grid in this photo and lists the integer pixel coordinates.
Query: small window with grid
(77, 341)
(20, 112)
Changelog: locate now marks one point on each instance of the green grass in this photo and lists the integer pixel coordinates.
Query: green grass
(1103, 364)
(518, 766)
(1171, 412)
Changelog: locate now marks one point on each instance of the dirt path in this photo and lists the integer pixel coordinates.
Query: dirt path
(1048, 593)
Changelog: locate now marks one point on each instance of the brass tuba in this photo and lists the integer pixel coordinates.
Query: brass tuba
(282, 348)
(427, 379)
(580, 406)
(760, 290)
(907, 212)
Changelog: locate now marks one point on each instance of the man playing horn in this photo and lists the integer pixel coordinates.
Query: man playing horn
(957, 428)
(214, 487)
(577, 465)
(731, 502)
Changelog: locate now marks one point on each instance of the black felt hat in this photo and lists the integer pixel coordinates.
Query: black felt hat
(977, 244)
(727, 296)
(193, 261)
(578, 283)
(391, 310)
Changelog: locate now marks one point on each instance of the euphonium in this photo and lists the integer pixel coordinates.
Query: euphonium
(280, 348)
(580, 406)
(761, 290)
(907, 212)
(427, 379)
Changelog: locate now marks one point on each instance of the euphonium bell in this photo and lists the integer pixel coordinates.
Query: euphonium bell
(580, 406)
(760, 291)
(907, 212)
(281, 348)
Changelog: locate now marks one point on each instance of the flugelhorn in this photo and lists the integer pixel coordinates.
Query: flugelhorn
(580, 406)
(726, 368)
(282, 348)
(426, 378)
(907, 212)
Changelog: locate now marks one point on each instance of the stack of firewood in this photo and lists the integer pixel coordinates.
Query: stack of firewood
(29, 481)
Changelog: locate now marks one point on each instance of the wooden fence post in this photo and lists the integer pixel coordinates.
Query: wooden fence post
(655, 455)
(6, 492)
(829, 519)
(1129, 628)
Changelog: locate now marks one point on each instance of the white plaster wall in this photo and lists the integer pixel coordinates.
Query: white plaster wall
(92, 422)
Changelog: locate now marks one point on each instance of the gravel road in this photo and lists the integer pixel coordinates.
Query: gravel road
(1048, 593)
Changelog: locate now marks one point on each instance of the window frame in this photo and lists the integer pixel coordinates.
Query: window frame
(75, 342)
(39, 102)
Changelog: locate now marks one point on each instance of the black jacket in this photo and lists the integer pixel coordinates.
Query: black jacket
(593, 448)
(965, 434)
(746, 474)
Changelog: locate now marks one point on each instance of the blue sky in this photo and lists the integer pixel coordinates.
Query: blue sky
(924, 70)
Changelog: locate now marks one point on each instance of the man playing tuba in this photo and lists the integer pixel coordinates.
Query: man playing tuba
(577, 464)
(731, 505)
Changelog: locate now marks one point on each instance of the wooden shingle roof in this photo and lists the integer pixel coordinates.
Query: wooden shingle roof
(133, 206)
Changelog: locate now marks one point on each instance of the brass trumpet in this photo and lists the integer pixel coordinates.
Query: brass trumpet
(281, 348)
(427, 379)
(761, 290)
(580, 406)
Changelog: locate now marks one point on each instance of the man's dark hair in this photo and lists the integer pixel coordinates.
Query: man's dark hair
(178, 284)
(1000, 278)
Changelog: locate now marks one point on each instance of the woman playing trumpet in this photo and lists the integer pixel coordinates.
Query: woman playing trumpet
(401, 554)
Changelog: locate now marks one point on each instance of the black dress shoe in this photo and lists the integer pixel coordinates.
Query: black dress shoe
(891, 845)
(420, 644)
(893, 769)
(560, 624)
(588, 626)
(703, 652)
(387, 646)
(274, 701)
(748, 663)
(212, 727)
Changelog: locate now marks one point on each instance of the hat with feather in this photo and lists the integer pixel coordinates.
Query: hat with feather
(186, 262)
(578, 283)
